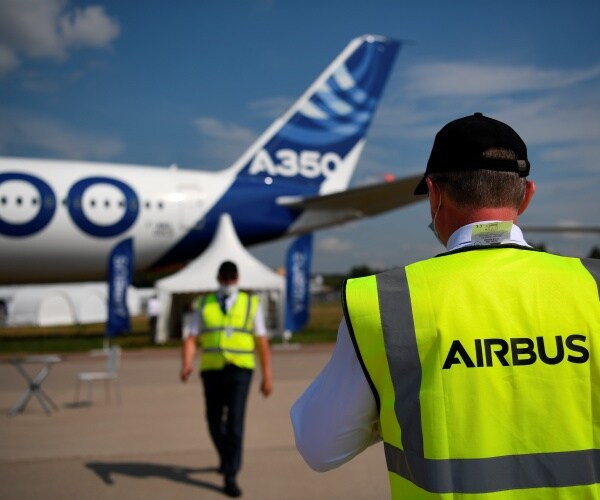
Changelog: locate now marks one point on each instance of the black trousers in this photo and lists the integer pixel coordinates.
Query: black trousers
(225, 394)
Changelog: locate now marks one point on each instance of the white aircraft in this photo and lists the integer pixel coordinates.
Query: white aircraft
(59, 220)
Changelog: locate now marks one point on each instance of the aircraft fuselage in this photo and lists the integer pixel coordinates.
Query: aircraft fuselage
(45, 203)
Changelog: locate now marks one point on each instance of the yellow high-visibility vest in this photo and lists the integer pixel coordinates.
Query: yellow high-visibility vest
(485, 366)
(227, 337)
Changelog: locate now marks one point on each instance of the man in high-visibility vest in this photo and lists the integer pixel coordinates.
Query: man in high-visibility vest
(479, 369)
(230, 325)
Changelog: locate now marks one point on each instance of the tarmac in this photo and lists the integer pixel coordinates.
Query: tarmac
(154, 444)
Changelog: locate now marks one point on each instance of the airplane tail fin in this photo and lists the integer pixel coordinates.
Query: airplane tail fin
(317, 142)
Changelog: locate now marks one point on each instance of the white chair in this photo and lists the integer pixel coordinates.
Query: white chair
(113, 356)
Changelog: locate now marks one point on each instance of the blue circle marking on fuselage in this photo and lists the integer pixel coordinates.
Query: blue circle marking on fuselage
(47, 206)
(75, 207)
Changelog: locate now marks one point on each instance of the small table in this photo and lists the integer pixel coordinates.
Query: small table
(34, 384)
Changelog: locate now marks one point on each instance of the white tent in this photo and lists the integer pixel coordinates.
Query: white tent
(200, 276)
(41, 306)
(62, 304)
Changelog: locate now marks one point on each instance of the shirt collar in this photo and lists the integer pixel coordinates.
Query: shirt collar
(228, 300)
(486, 233)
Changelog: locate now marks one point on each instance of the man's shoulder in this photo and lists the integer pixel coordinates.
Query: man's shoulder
(205, 298)
(249, 295)
(372, 278)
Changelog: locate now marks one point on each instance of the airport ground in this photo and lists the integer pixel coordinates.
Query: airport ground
(154, 444)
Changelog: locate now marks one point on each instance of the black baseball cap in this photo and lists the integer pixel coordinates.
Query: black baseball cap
(460, 146)
(228, 270)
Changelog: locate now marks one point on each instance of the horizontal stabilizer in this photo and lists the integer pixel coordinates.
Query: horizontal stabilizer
(323, 211)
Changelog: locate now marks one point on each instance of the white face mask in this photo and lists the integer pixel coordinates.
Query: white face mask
(227, 290)
(432, 223)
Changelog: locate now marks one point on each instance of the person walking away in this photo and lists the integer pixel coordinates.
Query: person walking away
(230, 327)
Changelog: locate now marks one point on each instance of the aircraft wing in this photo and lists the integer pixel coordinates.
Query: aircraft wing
(319, 212)
(561, 229)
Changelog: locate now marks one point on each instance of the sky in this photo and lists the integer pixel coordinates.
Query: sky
(195, 82)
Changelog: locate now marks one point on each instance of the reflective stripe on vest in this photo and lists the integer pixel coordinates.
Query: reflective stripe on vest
(379, 313)
(227, 337)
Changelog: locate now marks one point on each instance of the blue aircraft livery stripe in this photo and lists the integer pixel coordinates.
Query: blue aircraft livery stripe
(368, 69)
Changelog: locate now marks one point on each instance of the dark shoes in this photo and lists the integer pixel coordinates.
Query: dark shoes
(232, 489)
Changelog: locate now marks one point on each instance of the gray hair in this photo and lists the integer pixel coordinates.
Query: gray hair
(485, 188)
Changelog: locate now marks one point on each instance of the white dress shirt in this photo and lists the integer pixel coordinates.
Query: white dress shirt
(336, 417)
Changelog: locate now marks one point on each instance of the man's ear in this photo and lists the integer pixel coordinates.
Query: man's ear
(529, 192)
(434, 194)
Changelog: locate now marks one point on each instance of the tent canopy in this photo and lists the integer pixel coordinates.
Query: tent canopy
(200, 276)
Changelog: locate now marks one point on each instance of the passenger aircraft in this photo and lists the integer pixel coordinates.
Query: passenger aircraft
(59, 220)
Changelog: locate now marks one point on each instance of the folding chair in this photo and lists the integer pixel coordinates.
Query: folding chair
(113, 355)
